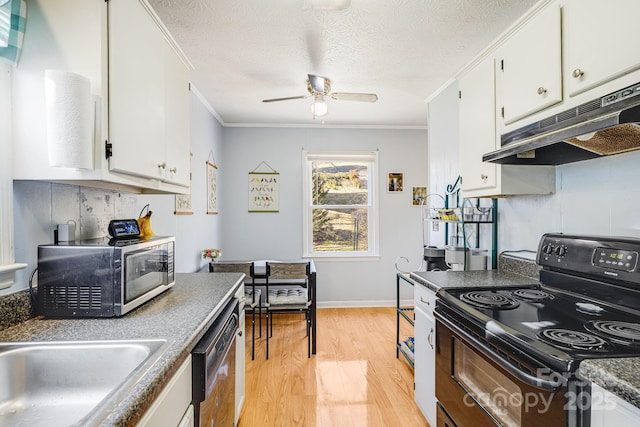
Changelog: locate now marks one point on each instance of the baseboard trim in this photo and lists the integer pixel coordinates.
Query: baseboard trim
(363, 303)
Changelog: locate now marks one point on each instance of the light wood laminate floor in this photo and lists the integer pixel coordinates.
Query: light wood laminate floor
(354, 379)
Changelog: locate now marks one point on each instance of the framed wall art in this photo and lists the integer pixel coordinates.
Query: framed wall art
(212, 190)
(264, 190)
(395, 182)
(418, 196)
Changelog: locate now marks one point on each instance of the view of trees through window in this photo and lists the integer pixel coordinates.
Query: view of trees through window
(340, 206)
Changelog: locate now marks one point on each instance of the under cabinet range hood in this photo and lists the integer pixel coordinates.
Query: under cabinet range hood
(604, 126)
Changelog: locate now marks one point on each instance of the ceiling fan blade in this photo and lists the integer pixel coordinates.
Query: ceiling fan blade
(362, 97)
(318, 84)
(285, 99)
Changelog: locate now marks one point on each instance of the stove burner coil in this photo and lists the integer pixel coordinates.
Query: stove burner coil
(574, 340)
(489, 299)
(625, 332)
(532, 294)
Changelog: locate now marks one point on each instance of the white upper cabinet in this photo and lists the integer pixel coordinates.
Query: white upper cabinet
(603, 41)
(477, 129)
(141, 88)
(178, 169)
(148, 98)
(564, 53)
(136, 91)
(530, 66)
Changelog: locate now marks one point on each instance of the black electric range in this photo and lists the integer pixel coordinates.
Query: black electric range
(587, 305)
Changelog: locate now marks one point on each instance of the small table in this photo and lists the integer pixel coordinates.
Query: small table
(260, 276)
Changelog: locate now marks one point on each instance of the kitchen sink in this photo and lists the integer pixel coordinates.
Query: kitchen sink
(61, 383)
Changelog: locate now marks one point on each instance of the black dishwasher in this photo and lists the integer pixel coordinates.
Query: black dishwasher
(214, 360)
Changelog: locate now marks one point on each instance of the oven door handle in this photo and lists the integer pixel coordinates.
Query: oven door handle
(532, 380)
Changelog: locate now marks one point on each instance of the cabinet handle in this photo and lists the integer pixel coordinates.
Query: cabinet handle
(484, 177)
(542, 90)
(577, 73)
(423, 300)
(430, 339)
(162, 165)
(239, 333)
(173, 170)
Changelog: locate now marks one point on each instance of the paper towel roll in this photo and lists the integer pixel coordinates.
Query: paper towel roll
(70, 115)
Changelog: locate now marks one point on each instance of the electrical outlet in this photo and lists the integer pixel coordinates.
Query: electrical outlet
(435, 226)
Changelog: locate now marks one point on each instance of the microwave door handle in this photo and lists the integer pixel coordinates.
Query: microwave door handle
(532, 380)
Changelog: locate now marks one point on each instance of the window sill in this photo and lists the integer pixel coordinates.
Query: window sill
(334, 257)
(7, 274)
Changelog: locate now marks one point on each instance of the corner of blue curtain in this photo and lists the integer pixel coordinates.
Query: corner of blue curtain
(13, 16)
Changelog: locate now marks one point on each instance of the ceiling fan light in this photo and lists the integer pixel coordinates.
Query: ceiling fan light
(319, 107)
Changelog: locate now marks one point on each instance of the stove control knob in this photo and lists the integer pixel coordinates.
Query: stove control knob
(561, 251)
(547, 249)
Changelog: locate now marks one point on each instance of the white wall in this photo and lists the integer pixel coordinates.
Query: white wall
(279, 235)
(38, 206)
(598, 197)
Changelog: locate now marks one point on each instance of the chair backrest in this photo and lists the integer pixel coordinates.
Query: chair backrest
(288, 270)
(245, 267)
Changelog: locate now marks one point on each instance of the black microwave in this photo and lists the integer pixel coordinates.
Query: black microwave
(102, 277)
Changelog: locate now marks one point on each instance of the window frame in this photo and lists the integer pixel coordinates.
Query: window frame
(373, 207)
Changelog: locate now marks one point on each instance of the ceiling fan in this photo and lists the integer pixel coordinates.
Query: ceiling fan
(319, 87)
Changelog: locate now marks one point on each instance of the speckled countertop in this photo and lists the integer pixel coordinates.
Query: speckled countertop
(181, 316)
(618, 376)
(436, 280)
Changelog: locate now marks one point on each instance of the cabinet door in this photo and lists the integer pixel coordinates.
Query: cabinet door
(602, 39)
(477, 129)
(608, 410)
(531, 66)
(136, 91)
(425, 339)
(177, 122)
(171, 406)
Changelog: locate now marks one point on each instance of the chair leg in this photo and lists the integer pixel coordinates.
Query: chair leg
(270, 331)
(253, 333)
(260, 314)
(267, 320)
(308, 337)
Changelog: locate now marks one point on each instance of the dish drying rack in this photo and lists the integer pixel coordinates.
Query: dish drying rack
(457, 215)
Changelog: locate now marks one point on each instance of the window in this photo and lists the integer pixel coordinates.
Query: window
(340, 204)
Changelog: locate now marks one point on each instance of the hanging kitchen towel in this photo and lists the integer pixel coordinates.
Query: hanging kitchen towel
(13, 15)
(70, 112)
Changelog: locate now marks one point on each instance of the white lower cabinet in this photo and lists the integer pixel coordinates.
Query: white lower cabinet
(425, 352)
(240, 357)
(608, 410)
(172, 406)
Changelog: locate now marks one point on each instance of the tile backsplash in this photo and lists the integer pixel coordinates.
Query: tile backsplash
(40, 206)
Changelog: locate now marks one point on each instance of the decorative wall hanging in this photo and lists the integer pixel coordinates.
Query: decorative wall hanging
(212, 190)
(183, 201)
(264, 190)
(395, 182)
(418, 196)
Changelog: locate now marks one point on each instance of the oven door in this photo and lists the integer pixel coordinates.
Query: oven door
(477, 386)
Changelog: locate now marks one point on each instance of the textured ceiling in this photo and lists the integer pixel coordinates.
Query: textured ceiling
(244, 51)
